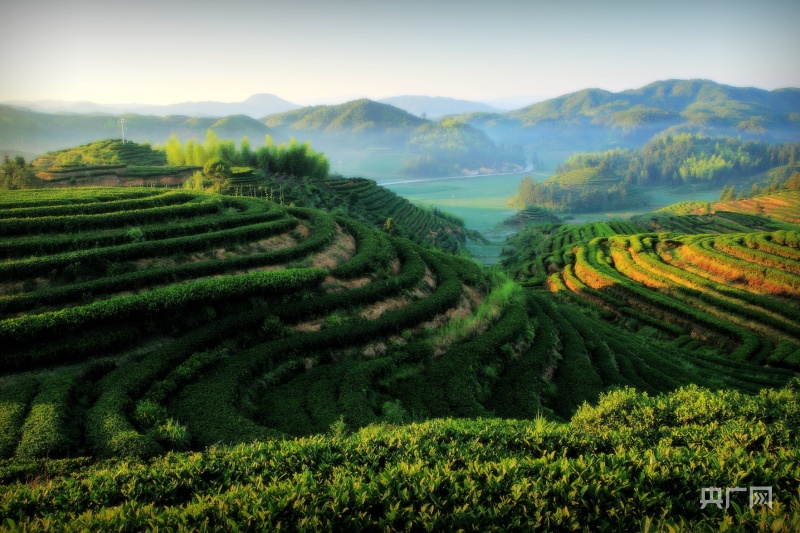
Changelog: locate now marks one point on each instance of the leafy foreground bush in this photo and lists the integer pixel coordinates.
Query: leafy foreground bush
(632, 462)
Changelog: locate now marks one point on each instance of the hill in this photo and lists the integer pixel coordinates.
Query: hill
(689, 103)
(370, 138)
(781, 206)
(357, 117)
(619, 178)
(533, 215)
(596, 119)
(590, 189)
(437, 106)
(764, 211)
(452, 148)
(102, 153)
(365, 201)
(291, 173)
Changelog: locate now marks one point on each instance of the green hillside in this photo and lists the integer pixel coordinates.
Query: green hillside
(615, 179)
(363, 200)
(449, 147)
(698, 103)
(291, 174)
(238, 126)
(357, 117)
(589, 189)
(587, 120)
(363, 137)
(107, 162)
(533, 215)
(108, 152)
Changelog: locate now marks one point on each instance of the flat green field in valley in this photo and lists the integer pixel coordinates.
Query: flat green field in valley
(482, 201)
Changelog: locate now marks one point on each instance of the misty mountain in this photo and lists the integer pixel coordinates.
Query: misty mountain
(256, 106)
(438, 106)
(594, 118)
(362, 116)
(697, 102)
(377, 139)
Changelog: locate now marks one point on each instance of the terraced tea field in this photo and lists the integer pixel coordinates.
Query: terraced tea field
(727, 281)
(632, 463)
(726, 291)
(132, 295)
(780, 206)
(136, 321)
(420, 225)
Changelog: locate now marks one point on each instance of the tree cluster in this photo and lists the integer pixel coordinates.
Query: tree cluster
(295, 159)
(16, 174)
(446, 148)
(549, 194)
(687, 158)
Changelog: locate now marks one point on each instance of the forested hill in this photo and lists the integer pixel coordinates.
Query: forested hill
(356, 117)
(634, 116)
(618, 178)
(688, 159)
(698, 102)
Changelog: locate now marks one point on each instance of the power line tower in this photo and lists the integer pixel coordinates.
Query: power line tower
(122, 125)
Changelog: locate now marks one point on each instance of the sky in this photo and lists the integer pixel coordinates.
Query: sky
(329, 51)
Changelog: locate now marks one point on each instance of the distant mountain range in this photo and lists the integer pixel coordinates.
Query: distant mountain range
(372, 138)
(698, 102)
(257, 106)
(595, 117)
(33, 132)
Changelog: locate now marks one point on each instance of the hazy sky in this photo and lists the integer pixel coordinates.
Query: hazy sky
(324, 51)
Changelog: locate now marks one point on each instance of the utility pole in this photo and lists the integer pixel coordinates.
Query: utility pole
(122, 125)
